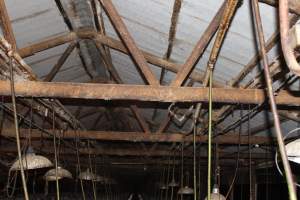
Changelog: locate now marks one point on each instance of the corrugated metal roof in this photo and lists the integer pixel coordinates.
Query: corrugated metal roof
(148, 21)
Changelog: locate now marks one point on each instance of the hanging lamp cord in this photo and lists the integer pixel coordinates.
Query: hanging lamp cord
(79, 166)
(55, 155)
(237, 159)
(13, 97)
(209, 134)
(90, 163)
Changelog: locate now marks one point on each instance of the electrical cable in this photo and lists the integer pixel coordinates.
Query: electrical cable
(91, 168)
(194, 161)
(237, 160)
(209, 134)
(13, 97)
(282, 150)
(55, 157)
(78, 164)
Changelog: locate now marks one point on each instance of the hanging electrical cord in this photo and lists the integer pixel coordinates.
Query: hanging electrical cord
(55, 156)
(194, 160)
(250, 155)
(287, 168)
(209, 134)
(13, 97)
(168, 177)
(78, 164)
(237, 159)
(91, 168)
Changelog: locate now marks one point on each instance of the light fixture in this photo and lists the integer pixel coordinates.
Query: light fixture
(163, 186)
(31, 161)
(292, 151)
(186, 190)
(61, 173)
(215, 195)
(87, 175)
(173, 183)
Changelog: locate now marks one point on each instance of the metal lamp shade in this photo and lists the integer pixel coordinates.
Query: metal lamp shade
(186, 190)
(173, 183)
(31, 161)
(215, 195)
(163, 187)
(61, 173)
(293, 152)
(87, 175)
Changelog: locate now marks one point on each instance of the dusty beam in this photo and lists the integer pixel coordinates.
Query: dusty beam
(144, 93)
(139, 137)
(6, 25)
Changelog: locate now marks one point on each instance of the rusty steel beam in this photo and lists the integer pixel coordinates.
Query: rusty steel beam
(199, 48)
(144, 93)
(111, 43)
(294, 5)
(128, 41)
(60, 62)
(6, 25)
(138, 137)
(172, 35)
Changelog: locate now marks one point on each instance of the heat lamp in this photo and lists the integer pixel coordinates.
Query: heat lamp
(215, 195)
(61, 173)
(31, 161)
(87, 175)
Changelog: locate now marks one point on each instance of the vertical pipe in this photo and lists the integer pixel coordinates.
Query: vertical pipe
(287, 169)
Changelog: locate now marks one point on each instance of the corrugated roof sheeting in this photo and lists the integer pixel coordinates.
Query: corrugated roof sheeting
(148, 21)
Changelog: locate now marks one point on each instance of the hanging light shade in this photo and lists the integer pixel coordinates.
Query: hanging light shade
(100, 179)
(215, 195)
(173, 183)
(87, 175)
(61, 173)
(292, 151)
(163, 186)
(186, 190)
(31, 161)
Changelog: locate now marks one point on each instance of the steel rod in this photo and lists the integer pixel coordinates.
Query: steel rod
(282, 150)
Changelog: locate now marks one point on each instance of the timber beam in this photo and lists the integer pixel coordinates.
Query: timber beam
(139, 137)
(144, 93)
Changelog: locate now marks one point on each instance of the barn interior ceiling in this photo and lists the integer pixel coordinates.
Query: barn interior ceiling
(153, 99)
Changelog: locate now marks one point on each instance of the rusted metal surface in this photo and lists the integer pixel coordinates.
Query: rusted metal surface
(172, 34)
(145, 93)
(129, 42)
(141, 137)
(60, 62)
(25, 72)
(110, 42)
(293, 5)
(6, 25)
(287, 49)
(199, 48)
